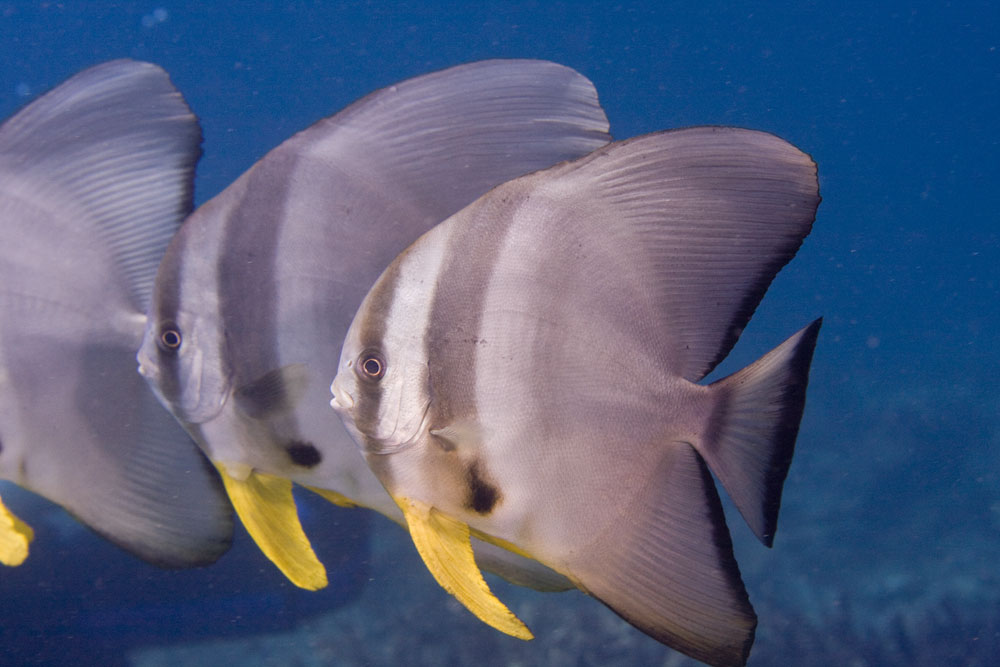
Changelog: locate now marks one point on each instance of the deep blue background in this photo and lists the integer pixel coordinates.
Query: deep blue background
(890, 534)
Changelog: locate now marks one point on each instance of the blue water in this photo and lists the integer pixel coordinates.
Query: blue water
(888, 550)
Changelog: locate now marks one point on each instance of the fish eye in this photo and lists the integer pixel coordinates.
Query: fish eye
(170, 338)
(372, 365)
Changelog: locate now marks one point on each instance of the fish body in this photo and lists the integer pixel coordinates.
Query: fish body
(527, 372)
(95, 177)
(256, 291)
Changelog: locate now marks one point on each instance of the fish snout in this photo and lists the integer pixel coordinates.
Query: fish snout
(342, 399)
(149, 371)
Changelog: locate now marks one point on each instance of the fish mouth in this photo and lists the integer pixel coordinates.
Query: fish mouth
(147, 372)
(342, 400)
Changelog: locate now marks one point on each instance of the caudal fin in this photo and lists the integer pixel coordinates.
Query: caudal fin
(753, 428)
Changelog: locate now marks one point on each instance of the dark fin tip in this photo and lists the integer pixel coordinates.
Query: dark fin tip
(752, 299)
(646, 582)
(724, 544)
(787, 431)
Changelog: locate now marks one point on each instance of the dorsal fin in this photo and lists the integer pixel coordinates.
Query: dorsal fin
(706, 217)
(94, 178)
(119, 142)
(434, 141)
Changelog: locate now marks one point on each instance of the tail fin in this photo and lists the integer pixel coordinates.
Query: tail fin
(753, 428)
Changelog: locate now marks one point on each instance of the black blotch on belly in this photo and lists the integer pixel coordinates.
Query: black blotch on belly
(483, 495)
(303, 454)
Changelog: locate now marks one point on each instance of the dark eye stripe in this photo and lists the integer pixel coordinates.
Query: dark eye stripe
(372, 333)
(245, 279)
(166, 306)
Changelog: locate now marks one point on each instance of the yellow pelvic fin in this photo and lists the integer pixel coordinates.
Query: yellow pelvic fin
(503, 544)
(267, 509)
(444, 544)
(333, 497)
(14, 537)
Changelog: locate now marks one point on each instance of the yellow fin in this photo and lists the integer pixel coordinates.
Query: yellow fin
(503, 544)
(446, 549)
(267, 509)
(333, 497)
(14, 537)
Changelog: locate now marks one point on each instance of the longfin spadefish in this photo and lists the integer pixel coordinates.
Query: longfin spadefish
(445, 546)
(266, 507)
(14, 537)
(358, 187)
(95, 177)
(710, 214)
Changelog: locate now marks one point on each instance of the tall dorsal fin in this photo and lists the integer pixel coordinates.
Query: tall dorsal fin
(120, 143)
(94, 178)
(705, 218)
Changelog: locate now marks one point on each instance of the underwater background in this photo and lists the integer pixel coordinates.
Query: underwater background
(888, 549)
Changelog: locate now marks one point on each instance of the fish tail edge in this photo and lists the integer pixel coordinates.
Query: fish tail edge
(753, 427)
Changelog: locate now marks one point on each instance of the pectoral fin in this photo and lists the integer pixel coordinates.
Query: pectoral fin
(266, 507)
(457, 435)
(14, 537)
(444, 545)
(277, 391)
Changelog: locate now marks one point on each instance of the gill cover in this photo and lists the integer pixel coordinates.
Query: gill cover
(180, 359)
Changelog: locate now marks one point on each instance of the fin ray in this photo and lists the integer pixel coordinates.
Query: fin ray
(338, 499)
(435, 139)
(705, 217)
(118, 143)
(516, 567)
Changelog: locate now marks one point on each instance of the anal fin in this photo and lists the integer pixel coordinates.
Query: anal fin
(15, 535)
(266, 507)
(668, 567)
(445, 546)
